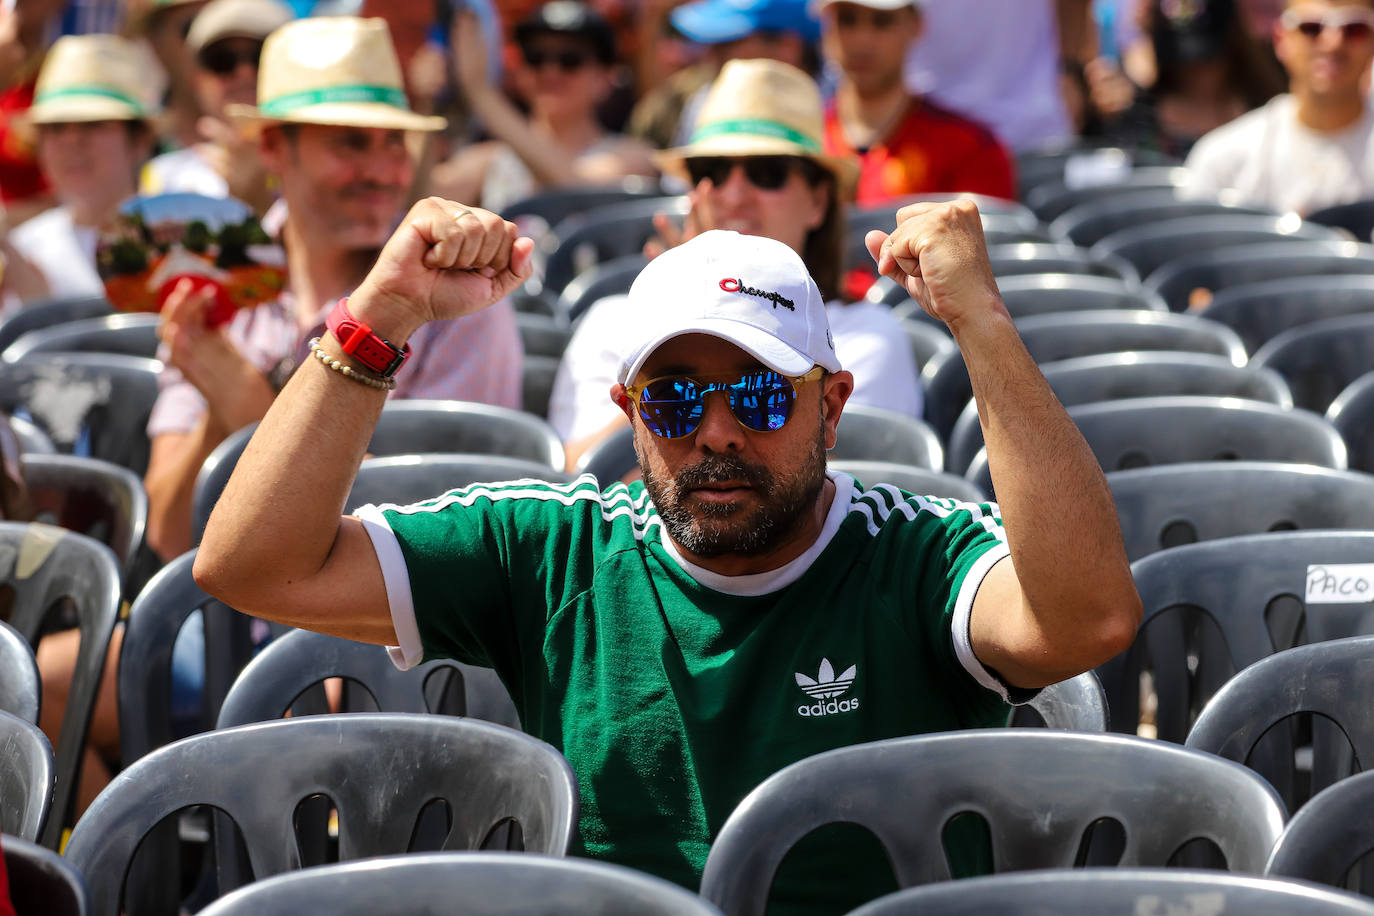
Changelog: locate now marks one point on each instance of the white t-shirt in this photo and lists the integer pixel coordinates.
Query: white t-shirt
(182, 171)
(1272, 160)
(868, 340)
(64, 252)
(997, 62)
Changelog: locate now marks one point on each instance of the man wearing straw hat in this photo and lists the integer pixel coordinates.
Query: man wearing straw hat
(681, 639)
(91, 113)
(332, 120)
(757, 166)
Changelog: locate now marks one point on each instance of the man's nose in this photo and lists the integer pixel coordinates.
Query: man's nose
(719, 430)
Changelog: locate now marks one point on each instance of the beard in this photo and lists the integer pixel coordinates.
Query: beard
(709, 529)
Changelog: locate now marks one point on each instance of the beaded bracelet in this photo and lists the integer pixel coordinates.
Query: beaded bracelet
(347, 371)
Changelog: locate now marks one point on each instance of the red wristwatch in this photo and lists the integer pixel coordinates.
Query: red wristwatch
(358, 340)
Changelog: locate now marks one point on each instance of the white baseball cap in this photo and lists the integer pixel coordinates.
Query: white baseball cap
(751, 291)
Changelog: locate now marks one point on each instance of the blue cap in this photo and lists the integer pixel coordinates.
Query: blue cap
(712, 22)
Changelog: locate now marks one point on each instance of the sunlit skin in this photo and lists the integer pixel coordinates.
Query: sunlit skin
(557, 94)
(1325, 72)
(786, 215)
(239, 86)
(92, 165)
(791, 454)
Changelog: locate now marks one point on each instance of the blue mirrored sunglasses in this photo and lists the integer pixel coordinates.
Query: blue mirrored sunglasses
(672, 405)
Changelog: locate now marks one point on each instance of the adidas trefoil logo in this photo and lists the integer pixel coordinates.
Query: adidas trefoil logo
(827, 689)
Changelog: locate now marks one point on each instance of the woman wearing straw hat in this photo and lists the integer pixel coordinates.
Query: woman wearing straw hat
(757, 166)
(90, 114)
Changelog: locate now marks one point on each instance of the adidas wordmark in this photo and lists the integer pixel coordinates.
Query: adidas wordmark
(827, 689)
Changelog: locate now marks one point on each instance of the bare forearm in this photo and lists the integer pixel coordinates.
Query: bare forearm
(546, 162)
(176, 461)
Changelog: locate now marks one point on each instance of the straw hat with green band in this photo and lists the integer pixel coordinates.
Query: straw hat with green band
(335, 70)
(93, 78)
(761, 108)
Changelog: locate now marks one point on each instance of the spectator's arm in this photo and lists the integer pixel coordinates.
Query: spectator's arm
(1066, 601)
(1077, 31)
(170, 480)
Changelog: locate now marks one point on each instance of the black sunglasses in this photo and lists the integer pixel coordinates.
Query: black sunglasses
(569, 61)
(672, 406)
(767, 173)
(223, 60)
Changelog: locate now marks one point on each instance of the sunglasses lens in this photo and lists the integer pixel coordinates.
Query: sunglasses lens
(1312, 28)
(767, 173)
(1356, 31)
(762, 401)
(718, 170)
(671, 407)
(571, 61)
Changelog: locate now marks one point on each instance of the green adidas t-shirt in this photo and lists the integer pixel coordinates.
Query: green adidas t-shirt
(674, 691)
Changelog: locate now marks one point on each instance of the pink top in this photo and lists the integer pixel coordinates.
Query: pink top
(474, 358)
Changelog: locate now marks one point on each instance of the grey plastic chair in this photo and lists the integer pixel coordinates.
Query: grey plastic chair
(1260, 311)
(408, 427)
(874, 434)
(611, 458)
(487, 884)
(379, 771)
(1175, 504)
(41, 881)
(51, 312)
(130, 334)
(1333, 680)
(32, 440)
(1150, 246)
(20, 685)
(1149, 431)
(579, 242)
(1090, 222)
(1078, 704)
(1352, 413)
(541, 211)
(537, 377)
(1328, 836)
(608, 278)
(1050, 199)
(912, 479)
(1320, 359)
(928, 342)
(1028, 258)
(1004, 212)
(1120, 376)
(406, 479)
(1039, 792)
(27, 773)
(44, 567)
(90, 497)
(1028, 295)
(542, 335)
(1244, 264)
(1118, 892)
(101, 397)
(1356, 217)
(1223, 605)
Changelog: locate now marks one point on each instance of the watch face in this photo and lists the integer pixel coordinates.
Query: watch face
(216, 242)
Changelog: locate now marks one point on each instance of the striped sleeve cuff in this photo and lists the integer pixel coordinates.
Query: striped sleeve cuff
(410, 651)
(963, 638)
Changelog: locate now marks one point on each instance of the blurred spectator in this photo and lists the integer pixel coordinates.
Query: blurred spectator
(333, 132)
(91, 115)
(226, 38)
(566, 69)
(1313, 146)
(165, 24)
(1205, 69)
(781, 30)
(758, 168)
(904, 144)
(1001, 63)
(23, 30)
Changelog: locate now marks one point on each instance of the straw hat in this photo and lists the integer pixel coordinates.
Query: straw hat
(337, 70)
(761, 108)
(220, 19)
(93, 78)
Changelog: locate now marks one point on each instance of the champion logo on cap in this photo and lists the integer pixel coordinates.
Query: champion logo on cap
(733, 285)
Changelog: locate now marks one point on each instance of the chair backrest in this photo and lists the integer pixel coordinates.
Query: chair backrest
(1031, 258)
(1224, 604)
(611, 458)
(1174, 504)
(488, 884)
(1320, 359)
(1332, 679)
(46, 567)
(1092, 221)
(32, 440)
(91, 497)
(103, 397)
(1148, 247)
(875, 434)
(1150, 431)
(542, 335)
(1220, 269)
(293, 663)
(1118, 892)
(1050, 199)
(1120, 376)
(1328, 835)
(884, 215)
(608, 278)
(20, 686)
(130, 334)
(1352, 413)
(27, 775)
(1263, 310)
(1039, 792)
(928, 342)
(544, 209)
(912, 479)
(1065, 336)
(1041, 293)
(378, 770)
(537, 377)
(49, 313)
(605, 233)
(1356, 217)
(406, 479)
(41, 881)
(1078, 704)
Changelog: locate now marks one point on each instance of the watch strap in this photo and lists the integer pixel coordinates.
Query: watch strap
(358, 340)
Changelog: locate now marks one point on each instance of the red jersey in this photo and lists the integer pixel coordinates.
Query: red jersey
(929, 149)
(20, 178)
